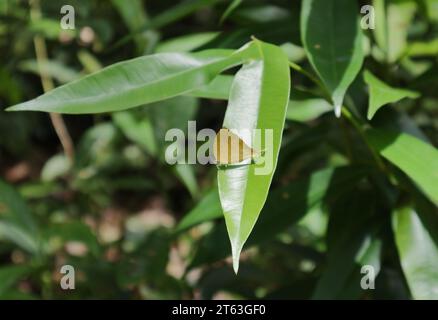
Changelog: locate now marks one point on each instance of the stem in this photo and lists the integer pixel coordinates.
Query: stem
(347, 114)
(311, 77)
(47, 83)
(355, 122)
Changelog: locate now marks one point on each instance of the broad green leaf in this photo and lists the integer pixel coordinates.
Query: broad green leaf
(207, 209)
(219, 88)
(419, 160)
(137, 128)
(304, 106)
(138, 81)
(258, 100)
(432, 9)
(20, 236)
(54, 69)
(382, 94)
(57, 166)
(332, 38)
(262, 14)
(284, 207)
(418, 252)
(392, 19)
(186, 43)
(294, 53)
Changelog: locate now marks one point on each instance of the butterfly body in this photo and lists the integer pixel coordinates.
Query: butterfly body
(230, 149)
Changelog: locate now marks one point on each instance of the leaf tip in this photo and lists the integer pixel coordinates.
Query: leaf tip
(18, 107)
(338, 109)
(236, 258)
(9, 109)
(236, 264)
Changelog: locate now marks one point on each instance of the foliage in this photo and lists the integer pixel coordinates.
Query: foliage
(355, 130)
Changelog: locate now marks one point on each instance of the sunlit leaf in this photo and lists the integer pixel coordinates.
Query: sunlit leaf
(208, 208)
(139, 81)
(419, 160)
(418, 252)
(382, 94)
(392, 20)
(258, 100)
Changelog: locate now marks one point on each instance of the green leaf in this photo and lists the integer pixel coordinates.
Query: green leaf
(423, 48)
(294, 53)
(432, 9)
(20, 236)
(89, 61)
(137, 128)
(304, 106)
(267, 13)
(284, 207)
(50, 29)
(57, 166)
(16, 221)
(54, 69)
(138, 81)
(418, 252)
(148, 126)
(419, 160)
(231, 7)
(11, 274)
(186, 174)
(133, 15)
(382, 94)
(207, 209)
(392, 19)
(258, 100)
(14, 209)
(332, 39)
(219, 88)
(186, 43)
(171, 15)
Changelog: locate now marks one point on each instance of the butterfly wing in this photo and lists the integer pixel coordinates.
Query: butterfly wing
(228, 148)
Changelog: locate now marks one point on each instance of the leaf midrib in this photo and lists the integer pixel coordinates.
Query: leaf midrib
(90, 99)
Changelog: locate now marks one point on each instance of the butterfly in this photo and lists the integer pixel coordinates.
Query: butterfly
(229, 148)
